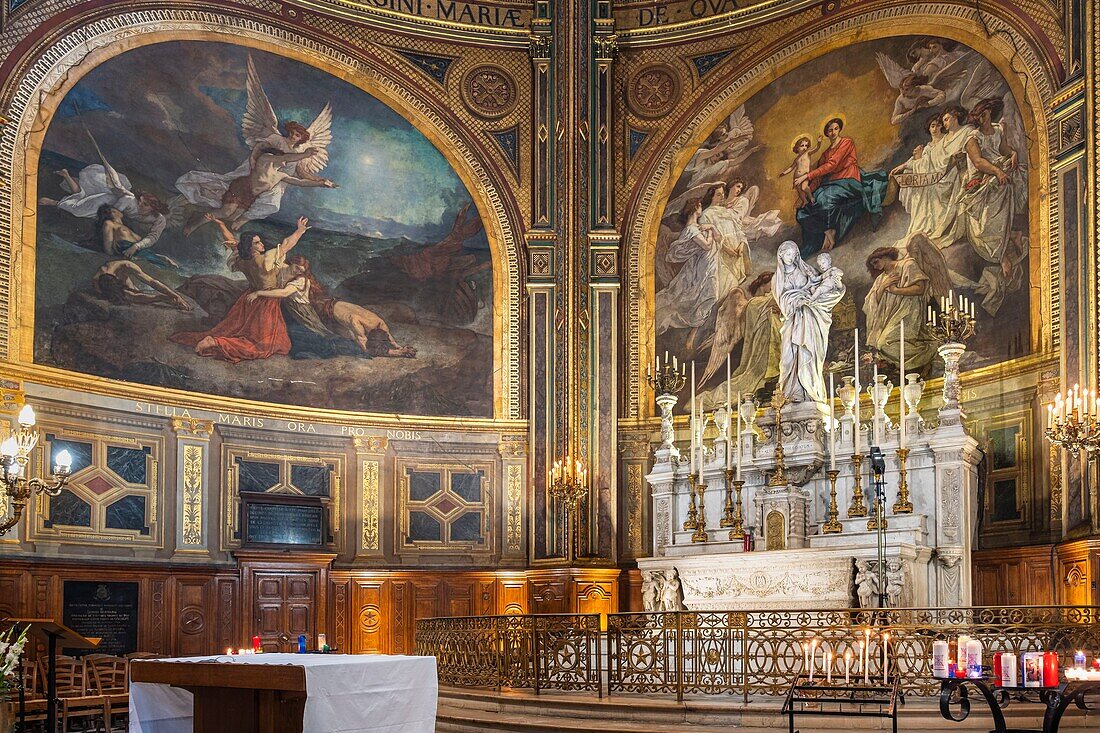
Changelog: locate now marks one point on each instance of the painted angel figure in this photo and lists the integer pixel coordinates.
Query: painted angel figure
(100, 192)
(946, 76)
(277, 159)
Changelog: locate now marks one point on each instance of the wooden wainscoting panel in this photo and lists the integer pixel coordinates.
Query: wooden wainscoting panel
(194, 615)
(512, 596)
(371, 617)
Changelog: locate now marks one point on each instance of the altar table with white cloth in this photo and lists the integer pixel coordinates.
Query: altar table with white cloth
(345, 693)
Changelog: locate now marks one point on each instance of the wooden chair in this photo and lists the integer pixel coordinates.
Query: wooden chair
(108, 676)
(74, 702)
(34, 695)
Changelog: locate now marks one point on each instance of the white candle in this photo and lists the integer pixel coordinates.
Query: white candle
(805, 657)
(729, 416)
(867, 657)
(901, 390)
(829, 668)
(847, 666)
(738, 407)
(863, 659)
(693, 459)
(832, 425)
(855, 437)
(885, 657)
(813, 658)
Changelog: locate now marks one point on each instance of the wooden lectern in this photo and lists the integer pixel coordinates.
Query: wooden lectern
(243, 698)
(52, 632)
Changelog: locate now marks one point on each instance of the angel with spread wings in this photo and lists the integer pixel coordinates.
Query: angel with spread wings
(254, 189)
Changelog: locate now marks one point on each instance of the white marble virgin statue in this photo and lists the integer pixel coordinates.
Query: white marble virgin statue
(806, 298)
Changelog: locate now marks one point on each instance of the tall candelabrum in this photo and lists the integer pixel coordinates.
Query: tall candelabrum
(1073, 422)
(15, 454)
(952, 325)
(666, 382)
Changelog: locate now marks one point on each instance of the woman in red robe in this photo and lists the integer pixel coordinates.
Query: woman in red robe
(254, 327)
(842, 193)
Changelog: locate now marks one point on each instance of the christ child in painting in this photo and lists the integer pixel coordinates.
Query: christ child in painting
(800, 167)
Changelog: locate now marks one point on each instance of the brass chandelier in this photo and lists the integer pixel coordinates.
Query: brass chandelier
(15, 454)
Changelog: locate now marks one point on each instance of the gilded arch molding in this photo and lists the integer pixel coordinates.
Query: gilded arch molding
(1028, 74)
(47, 77)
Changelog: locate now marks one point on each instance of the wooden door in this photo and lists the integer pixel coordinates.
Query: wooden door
(284, 605)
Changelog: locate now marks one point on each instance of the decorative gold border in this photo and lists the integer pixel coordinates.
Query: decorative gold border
(488, 506)
(70, 56)
(963, 25)
(191, 495)
(153, 489)
(231, 496)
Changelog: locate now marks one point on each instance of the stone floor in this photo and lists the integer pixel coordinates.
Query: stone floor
(469, 711)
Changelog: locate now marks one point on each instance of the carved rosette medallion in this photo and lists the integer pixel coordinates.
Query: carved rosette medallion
(654, 91)
(489, 91)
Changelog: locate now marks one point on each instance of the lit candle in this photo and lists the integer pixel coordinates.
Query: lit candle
(847, 665)
(901, 389)
(855, 436)
(813, 658)
(862, 662)
(229, 651)
(829, 668)
(832, 425)
(885, 657)
(738, 436)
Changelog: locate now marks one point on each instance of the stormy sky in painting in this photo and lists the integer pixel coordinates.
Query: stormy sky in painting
(173, 107)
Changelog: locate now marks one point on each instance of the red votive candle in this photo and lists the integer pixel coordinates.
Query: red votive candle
(256, 643)
(960, 673)
(997, 669)
(1050, 669)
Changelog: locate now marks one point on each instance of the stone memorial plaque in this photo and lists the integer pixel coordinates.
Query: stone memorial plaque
(108, 610)
(284, 524)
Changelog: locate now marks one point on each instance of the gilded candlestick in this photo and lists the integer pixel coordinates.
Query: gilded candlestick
(727, 513)
(832, 524)
(693, 514)
(902, 505)
(737, 530)
(779, 477)
(857, 508)
(700, 534)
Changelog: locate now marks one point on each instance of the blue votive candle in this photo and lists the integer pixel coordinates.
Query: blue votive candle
(302, 644)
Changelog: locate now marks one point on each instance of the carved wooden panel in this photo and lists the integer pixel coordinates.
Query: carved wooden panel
(513, 596)
(192, 612)
(548, 596)
(370, 616)
(486, 598)
(229, 634)
(458, 597)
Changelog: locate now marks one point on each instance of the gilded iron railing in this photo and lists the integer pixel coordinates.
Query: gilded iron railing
(540, 651)
(743, 653)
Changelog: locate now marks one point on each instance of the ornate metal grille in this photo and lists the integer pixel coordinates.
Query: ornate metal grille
(729, 652)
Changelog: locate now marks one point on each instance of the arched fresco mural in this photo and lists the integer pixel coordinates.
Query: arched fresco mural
(905, 160)
(228, 221)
